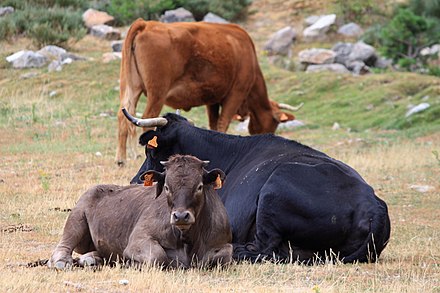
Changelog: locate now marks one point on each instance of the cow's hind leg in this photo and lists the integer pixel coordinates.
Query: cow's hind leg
(76, 236)
(217, 256)
(90, 259)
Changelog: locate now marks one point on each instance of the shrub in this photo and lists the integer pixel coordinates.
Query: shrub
(405, 36)
(44, 26)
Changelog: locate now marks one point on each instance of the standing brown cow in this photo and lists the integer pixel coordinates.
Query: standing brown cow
(180, 221)
(184, 65)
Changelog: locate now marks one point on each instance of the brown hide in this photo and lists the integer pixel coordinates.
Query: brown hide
(185, 65)
(129, 223)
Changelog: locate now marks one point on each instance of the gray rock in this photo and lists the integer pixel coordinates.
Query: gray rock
(383, 63)
(280, 42)
(311, 19)
(350, 30)
(27, 59)
(433, 50)
(177, 15)
(317, 56)
(358, 67)
(416, 109)
(343, 50)
(52, 52)
(6, 10)
(105, 32)
(211, 17)
(290, 125)
(92, 17)
(320, 27)
(335, 67)
(117, 45)
(29, 75)
(55, 65)
(363, 52)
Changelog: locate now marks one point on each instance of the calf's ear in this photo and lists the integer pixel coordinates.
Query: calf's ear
(215, 176)
(153, 176)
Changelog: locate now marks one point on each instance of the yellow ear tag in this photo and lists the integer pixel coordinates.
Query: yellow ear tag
(152, 143)
(148, 180)
(218, 182)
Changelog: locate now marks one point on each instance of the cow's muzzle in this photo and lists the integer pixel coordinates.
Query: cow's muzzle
(182, 219)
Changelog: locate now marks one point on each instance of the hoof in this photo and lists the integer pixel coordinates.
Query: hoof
(61, 265)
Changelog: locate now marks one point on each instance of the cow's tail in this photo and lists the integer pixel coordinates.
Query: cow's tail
(376, 240)
(129, 74)
(130, 90)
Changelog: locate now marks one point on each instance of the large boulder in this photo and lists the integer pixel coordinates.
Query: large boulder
(348, 52)
(319, 29)
(211, 17)
(177, 15)
(337, 68)
(280, 42)
(6, 10)
(350, 30)
(92, 17)
(27, 59)
(105, 32)
(316, 56)
(52, 52)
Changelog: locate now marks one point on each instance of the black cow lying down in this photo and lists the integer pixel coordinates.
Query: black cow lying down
(285, 201)
(179, 222)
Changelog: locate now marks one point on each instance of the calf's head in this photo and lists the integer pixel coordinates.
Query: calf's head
(184, 182)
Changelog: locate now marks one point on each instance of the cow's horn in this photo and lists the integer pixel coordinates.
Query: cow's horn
(289, 107)
(148, 122)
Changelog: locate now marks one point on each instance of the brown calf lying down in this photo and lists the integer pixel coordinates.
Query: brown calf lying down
(178, 222)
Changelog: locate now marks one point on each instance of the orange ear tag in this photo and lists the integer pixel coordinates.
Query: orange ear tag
(148, 180)
(283, 117)
(152, 143)
(218, 182)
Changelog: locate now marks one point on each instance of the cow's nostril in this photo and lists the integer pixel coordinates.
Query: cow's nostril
(186, 217)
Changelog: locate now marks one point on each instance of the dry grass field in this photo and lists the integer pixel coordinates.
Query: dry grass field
(53, 148)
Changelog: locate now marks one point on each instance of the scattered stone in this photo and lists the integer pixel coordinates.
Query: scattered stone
(320, 27)
(433, 50)
(123, 282)
(52, 52)
(335, 67)
(117, 45)
(280, 42)
(92, 17)
(383, 63)
(177, 15)
(416, 109)
(105, 32)
(111, 56)
(336, 126)
(350, 30)
(55, 65)
(6, 10)
(317, 56)
(26, 59)
(290, 125)
(363, 52)
(98, 154)
(311, 19)
(422, 188)
(29, 75)
(211, 17)
(53, 94)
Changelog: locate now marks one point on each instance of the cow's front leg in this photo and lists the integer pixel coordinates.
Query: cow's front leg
(218, 256)
(145, 251)
(90, 259)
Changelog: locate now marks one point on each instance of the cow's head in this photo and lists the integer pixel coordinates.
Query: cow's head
(184, 182)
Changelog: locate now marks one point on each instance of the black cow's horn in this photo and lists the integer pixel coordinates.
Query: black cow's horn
(148, 122)
(289, 107)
